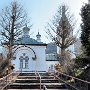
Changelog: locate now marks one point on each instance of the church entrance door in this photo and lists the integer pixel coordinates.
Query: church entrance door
(24, 62)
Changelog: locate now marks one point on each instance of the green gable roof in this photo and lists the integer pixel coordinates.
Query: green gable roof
(27, 41)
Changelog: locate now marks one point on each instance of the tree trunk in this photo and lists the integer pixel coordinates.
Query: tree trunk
(62, 56)
(11, 38)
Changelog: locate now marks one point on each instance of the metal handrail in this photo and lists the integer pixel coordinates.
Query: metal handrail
(10, 78)
(67, 83)
(75, 78)
(73, 85)
(5, 81)
(39, 78)
(44, 87)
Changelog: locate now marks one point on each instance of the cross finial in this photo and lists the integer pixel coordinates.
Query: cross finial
(26, 24)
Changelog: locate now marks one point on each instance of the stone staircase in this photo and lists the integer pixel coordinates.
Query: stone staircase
(30, 81)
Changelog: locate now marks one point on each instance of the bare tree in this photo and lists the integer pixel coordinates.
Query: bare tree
(60, 30)
(12, 19)
(68, 64)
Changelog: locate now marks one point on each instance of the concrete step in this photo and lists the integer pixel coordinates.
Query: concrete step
(36, 86)
(47, 77)
(27, 77)
(33, 74)
(34, 77)
(29, 81)
(27, 74)
(36, 81)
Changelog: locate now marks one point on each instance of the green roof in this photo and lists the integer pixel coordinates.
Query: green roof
(27, 40)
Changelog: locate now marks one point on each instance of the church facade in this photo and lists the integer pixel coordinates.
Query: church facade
(30, 54)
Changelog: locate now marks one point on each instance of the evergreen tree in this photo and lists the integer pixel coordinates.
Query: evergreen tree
(85, 27)
(85, 40)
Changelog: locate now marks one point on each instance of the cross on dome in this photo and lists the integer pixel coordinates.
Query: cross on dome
(26, 30)
(38, 37)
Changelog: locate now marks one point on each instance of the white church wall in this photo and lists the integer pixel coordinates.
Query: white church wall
(19, 52)
(33, 65)
(40, 61)
(51, 64)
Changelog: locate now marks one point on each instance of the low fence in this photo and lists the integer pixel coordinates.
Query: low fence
(10, 78)
(73, 83)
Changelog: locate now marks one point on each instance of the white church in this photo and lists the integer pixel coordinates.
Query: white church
(30, 55)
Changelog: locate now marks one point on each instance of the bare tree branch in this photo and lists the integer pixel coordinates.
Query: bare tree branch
(60, 30)
(12, 19)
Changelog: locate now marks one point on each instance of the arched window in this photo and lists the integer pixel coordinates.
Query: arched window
(24, 62)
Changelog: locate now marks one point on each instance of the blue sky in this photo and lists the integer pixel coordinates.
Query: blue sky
(41, 11)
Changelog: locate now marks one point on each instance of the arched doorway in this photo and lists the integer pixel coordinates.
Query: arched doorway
(25, 58)
(24, 61)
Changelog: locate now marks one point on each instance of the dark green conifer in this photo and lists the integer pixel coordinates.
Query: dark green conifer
(85, 28)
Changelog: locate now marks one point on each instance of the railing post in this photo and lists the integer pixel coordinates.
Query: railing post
(44, 87)
(87, 86)
(6, 80)
(40, 81)
(39, 78)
